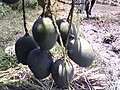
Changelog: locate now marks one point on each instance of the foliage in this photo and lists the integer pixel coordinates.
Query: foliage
(14, 9)
(7, 61)
(31, 4)
(5, 10)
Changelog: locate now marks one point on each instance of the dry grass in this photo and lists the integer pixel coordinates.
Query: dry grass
(21, 78)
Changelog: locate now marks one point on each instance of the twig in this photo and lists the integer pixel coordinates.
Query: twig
(38, 82)
(64, 2)
(45, 8)
(58, 32)
(24, 18)
(77, 83)
(68, 3)
(30, 86)
(87, 81)
(69, 19)
(52, 85)
(3, 87)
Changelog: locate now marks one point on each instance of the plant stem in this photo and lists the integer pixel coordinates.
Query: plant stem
(57, 30)
(64, 2)
(64, 49)
(24, 18)
(59, 34)
(69, 19)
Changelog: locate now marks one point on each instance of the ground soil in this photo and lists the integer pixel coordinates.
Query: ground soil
(103, 33)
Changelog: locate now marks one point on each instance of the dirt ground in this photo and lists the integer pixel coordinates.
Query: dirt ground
(104, 35)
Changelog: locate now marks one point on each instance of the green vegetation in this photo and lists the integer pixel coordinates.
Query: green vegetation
(7, 61)
(12, 24)
(13, 10)
(4, 10)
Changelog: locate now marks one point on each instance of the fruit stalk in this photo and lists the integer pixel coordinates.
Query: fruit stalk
(64, 49)
(44, 10)
(69, 19)
(57, 30)
(64, 2)
(24, 18)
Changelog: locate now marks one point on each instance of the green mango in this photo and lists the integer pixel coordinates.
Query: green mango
(41, 3)
(44, 33)
(23, 46)
(59, 74)
(63, 27)
(81, 52)
(40, 63)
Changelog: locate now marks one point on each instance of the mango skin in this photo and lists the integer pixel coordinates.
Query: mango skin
(59, 73)
(23, 46)
(40, 63)
(10, 1)
(81, 52)
(41, 3)
(63, 28)
(44, 33)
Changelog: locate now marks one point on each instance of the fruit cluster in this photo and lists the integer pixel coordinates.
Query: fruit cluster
(34, 51)
(40, 60)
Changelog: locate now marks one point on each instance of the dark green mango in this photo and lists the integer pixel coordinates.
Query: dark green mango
(10, 1)
(59, 74)
(40, 63)
(41, 3)
(23, 46)
(44, 33)
(81, 52)
(63, 27)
